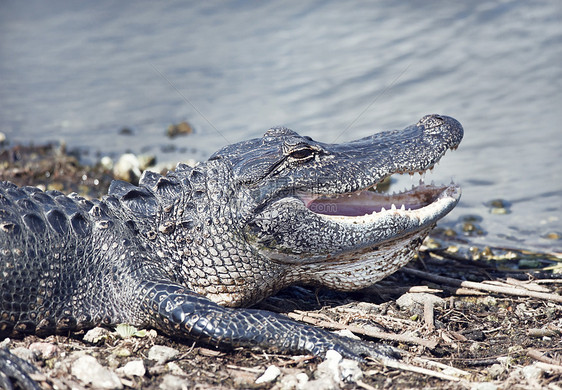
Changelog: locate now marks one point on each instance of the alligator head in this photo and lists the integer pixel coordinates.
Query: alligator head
(311, 209)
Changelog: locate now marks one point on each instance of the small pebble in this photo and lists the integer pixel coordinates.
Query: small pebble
(172, 382)
(350, 372)
(532, 372)
(45, 350)
(96, 335)
(294, 381)
(182, 128)
(89, 371)
(23, 353)
(416, 301)
(327, 375)
(270, 374)
(484, 386)
(175, 369)
(133, 368)
(496, 370)
(162, 354)
(127, 168)
(107, 163)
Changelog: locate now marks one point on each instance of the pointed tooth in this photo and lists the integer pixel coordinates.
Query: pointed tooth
(403, 208)
(393, 207)
(383, 209)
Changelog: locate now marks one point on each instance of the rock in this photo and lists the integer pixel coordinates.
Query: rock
(162, 354)
(96, 335)
(327, 375)
(45, 350)
(182, 128)
(132, 368)
(270, 374)
(146, 160)
(5, 343)
(89, 371)
(532, 372)
(496, 370)
(415, 302)
(292, 381)
(322, 383)
(484, 386)
(172, 382)
(333, 372)
(107, 163)
(175, 369)
(122, 352)
(127, 168)
(330, 366)
(23, 353)
(350, 372)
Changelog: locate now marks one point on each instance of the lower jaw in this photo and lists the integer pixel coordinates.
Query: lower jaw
(357, 270)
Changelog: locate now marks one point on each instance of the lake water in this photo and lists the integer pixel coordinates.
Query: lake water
(81, 71)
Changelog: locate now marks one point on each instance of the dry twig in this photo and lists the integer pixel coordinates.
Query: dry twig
(538, 355)
(483, 286)
(431, 344)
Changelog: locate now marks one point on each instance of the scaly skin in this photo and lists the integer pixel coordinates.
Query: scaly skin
(180, 252)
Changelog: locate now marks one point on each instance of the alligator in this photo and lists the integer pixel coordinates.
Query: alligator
(183, 252)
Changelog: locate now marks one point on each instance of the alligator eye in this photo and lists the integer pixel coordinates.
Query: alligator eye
(302, 154)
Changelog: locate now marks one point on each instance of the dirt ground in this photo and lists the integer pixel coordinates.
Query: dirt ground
(490, 323)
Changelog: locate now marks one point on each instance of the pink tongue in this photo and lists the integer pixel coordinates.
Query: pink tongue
(349, 207)
(366, 202)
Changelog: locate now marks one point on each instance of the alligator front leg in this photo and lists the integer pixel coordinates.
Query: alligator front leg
(185, 314)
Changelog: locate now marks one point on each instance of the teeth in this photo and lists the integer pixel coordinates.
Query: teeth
(403, 208)
(382, 209)
(393, 207)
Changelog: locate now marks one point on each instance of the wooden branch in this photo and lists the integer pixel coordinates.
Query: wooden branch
(538, 355)
(424, 371)
(431, 344)
(516, 291)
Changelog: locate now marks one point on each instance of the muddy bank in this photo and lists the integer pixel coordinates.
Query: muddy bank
(480, 334)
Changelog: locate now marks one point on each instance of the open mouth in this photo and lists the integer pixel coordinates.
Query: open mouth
(368, 202)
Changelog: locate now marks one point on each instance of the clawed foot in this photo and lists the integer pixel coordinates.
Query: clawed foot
(360, 350)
